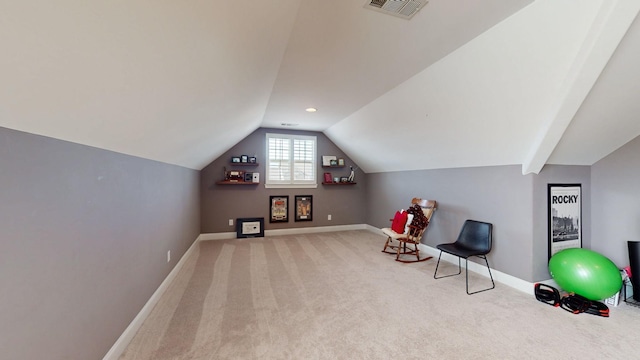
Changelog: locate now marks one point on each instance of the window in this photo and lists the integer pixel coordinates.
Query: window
(291, 161)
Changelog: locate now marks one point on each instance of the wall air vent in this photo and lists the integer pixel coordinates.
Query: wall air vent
(401, 8)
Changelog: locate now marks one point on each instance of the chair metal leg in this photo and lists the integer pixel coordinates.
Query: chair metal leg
(493, 284)
(444, 276)
(466, 264)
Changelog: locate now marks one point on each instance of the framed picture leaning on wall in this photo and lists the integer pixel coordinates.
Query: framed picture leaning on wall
(565, 216)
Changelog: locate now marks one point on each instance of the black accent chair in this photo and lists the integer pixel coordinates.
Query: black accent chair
(474, 240)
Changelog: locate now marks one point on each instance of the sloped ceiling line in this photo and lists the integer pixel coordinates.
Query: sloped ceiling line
(608, 29)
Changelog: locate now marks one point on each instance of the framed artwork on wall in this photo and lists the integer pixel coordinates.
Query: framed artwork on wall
(565, 216)
(304, 206)
(279, 208)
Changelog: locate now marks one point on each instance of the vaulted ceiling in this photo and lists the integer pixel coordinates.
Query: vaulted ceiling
(463, 83)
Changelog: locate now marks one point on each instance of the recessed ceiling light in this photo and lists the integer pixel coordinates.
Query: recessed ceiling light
(311, 109)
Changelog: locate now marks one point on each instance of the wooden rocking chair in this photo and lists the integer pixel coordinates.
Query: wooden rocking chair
(411, 236)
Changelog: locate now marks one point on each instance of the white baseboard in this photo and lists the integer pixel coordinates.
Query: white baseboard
(291, 231)
(123, 341)
(498, 276)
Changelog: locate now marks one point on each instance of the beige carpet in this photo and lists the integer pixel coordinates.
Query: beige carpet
(336, 296)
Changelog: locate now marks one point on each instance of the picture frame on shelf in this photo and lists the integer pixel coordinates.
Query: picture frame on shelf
(279, 208)
(326, 159)
(341, 162)
(235, 159)
(252, 159)
(328, 178)
(565, 216)
(333, 162)
(304, 207)
(244, 158)
(248, 177)
(344, 179)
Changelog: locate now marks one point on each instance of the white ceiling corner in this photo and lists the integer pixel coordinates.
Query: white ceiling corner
(607, 30)
(486, 83)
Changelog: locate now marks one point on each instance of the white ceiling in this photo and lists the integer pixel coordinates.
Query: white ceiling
(463, 83)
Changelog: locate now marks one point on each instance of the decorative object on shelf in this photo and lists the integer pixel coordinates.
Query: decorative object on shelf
(336, 179)
(248, 177)
(328, 178)
(565, 217)
(249, 227)
(244, 158)
(326, 160)
(279, 208)
(340, 162)
(352, 175)
(256, 177)
(252, 159)
(304, 206)
(234, 175)
(344, 179)
(235, 159)
(333, 163)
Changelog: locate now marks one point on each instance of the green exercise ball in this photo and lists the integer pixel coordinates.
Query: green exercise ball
(585, 272)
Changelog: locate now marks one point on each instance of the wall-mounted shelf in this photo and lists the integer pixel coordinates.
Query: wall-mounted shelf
(332, 166)
(236, 183)
(240, 177)
(243, 164)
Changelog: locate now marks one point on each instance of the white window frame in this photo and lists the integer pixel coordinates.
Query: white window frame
(291, 182)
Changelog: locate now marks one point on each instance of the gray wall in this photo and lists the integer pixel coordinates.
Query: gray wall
(345, 204)
(515, 204)
(556, 174)
(616, 202)
(500, 195)
(85, 235)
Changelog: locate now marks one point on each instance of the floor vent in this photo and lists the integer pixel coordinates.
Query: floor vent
(401, 8)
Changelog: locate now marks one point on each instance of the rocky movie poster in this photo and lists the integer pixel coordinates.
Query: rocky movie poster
(565, 225)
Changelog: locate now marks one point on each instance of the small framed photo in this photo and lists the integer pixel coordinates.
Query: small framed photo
(278, 208)
(340, 162)
(333, 163)
(248, 177)
(252, 159)
(344, 179)
(249, 227)
(304, 207)
(326, 159)
(235, 159)
(244, 158)
(327, 178)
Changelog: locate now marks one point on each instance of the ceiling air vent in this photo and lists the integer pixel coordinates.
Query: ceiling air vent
(401, 8)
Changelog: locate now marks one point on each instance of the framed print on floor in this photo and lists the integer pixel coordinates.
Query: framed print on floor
(304, 206)
(279, 208)
(249, 227)
(565, 217)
